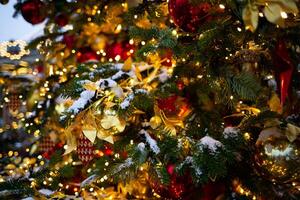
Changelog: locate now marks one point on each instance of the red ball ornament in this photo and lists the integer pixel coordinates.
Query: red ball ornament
(61, 20)
(33, 11)
(187, 16)
(86, 55)
(168, 104)
(69, 41)
(119, 51)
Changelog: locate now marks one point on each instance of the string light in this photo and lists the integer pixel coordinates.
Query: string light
(4, 46)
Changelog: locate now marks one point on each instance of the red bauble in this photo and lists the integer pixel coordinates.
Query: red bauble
(86, 54)
(168, 104)
(123, 50)
(85, 149)
(108, 151)
(187, 16)
(61, 20)
(33, 11)
(39, 69)
(69, 41)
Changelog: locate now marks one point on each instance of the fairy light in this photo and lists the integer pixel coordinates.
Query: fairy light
(283, 15)
(222, 6)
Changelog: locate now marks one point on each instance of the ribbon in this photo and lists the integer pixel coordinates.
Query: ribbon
(284, 67)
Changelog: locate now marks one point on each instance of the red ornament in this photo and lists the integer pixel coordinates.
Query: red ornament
(85, 149)
(108, 151)
(167, 57)
(121, 50)
(86, 54)
(170, 169)
(284, 67)
(33, 11)
(61, 20)
(174, 105)
(39, 69)
(69, 41)
(168, 104)
(180, 85)
(187, 16)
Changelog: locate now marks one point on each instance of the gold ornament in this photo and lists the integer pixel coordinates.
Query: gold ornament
(278, 149)
(276, 11)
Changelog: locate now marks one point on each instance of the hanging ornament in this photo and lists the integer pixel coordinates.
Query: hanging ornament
(3, 2)
(85, 149)
(69, 41)
(33, 11)
(189, 17)
(284, 68)
(61, 20)
(277, 152)
(86, 54)
(119, 51)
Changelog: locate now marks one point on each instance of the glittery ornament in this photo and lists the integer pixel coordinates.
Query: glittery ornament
(187, 16)
(33, 11)
(85, 149)
(86, 54)
(277, 154)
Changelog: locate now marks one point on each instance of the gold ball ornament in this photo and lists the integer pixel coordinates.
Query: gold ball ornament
(277, 157)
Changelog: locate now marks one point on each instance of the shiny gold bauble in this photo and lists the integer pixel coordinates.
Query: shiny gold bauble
(277, 158)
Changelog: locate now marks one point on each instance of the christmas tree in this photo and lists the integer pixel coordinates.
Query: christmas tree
(178, 99)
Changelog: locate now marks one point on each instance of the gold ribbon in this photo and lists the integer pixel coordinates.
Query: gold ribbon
(274, 10)
(290, 131)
